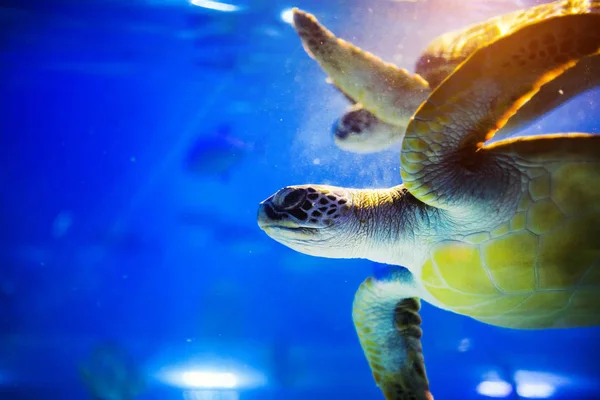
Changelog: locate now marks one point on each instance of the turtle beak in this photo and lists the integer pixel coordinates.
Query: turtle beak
(276, 212)
(267, 217)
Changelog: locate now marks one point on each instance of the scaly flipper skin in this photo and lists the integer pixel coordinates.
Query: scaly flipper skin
(447, 51)
(352, 70)
(388, 325)
(440, 153)
(443, 54)
(571, 83)
(360, 75)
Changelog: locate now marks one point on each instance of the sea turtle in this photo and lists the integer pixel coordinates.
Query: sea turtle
(358, 130)
(507, 233)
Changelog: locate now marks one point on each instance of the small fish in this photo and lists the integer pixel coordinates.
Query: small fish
(111, 373)
(217, 154)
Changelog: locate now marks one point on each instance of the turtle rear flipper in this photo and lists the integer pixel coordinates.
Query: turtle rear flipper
(386, 318)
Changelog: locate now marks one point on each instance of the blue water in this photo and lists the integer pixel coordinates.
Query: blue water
(123, 262)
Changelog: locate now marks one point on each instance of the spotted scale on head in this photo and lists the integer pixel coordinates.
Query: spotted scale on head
(307, 204)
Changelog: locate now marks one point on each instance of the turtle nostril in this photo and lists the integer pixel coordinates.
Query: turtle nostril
(271, 213)
(289, 198)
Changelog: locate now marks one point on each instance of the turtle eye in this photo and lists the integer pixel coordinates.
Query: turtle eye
(289, 198)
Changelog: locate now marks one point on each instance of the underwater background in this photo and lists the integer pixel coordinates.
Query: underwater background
(138, 138)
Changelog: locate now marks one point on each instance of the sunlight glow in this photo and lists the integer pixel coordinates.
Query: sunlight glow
(216, 375)
(211, 395)
(215, 5)
(495, 389)
(538, 385)
(201, 379)
(539, 390)
(287, 16)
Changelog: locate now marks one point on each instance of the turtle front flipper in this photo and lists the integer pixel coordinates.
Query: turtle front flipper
(392, 93)
(441, 161)
(386, 318)
(574, 81)
(332, 83)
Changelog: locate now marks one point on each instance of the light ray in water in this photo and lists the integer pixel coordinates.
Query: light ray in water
(216, 5)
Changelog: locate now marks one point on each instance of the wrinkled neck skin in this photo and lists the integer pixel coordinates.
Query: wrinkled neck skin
(394, 227)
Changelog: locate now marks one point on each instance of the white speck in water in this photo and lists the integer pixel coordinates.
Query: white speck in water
(316, 161)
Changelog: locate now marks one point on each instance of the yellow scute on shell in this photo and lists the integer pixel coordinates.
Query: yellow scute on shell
(511, 261)
(460, 267)
(567, 253)
(539, 188)
(543, 216)
(570, 192)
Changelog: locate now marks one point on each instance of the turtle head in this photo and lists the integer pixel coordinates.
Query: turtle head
(359, 131)
(382, 225)
(312, 219)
